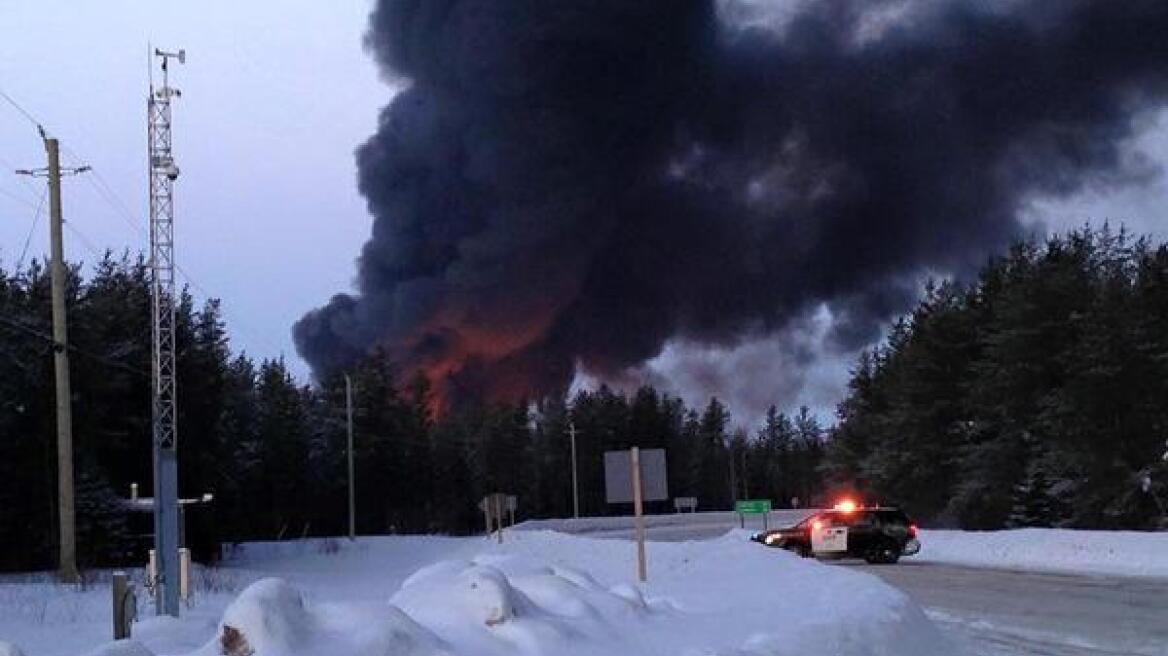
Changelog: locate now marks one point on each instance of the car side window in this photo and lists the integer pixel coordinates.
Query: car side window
(839, 521)
(865, 520)
(835, 521)
(894, 520)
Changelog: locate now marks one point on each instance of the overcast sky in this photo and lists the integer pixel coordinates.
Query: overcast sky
(276, 96)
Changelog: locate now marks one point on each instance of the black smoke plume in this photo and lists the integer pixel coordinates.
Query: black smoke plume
(568, 185)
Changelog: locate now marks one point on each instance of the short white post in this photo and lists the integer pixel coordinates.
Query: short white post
(184, 574)
(151, 571)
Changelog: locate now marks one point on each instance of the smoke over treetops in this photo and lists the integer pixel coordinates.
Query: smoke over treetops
(569, 186)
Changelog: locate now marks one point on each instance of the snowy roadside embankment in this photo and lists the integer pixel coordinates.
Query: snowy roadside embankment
(1121, 553)
(549, 593)
(717, 520)
(538, 593)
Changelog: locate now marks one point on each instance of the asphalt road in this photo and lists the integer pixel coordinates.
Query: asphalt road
(998, 612)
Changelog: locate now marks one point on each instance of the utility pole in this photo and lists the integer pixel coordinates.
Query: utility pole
(352, 492)
(67, 539)
(575, 483)
(163, 173)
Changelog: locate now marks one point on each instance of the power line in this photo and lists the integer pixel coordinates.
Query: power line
(24, 112)
(106, 192)
(33, 332)
(28, 238)
(89, 246)
(23, 201)
(12, 167)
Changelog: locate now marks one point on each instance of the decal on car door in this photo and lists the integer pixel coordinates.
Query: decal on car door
(830, 539)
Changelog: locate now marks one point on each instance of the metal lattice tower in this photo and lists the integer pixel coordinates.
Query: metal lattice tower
(163, 173)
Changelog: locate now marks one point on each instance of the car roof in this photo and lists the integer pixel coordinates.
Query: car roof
(882, 511)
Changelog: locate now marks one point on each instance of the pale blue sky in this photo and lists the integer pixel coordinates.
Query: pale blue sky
(276, 96)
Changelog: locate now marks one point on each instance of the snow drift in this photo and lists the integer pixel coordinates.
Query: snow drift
(547, 593)
(271, 618)
(1120, 553)
(538, 593)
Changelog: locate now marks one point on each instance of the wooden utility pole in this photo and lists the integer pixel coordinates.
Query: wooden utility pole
(575, 481)
(352, 484)
(67, 537)
(67, 555)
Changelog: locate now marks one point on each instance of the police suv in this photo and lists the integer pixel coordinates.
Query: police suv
(879, 535)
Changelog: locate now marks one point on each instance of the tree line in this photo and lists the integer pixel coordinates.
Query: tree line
(272, 449)
(1034, 395)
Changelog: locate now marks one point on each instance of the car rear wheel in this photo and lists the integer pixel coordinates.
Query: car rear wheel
(885, 554)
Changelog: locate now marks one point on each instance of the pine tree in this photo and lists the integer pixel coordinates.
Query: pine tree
(102, 533)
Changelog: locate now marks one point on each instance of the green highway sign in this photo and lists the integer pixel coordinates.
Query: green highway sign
(752, 506)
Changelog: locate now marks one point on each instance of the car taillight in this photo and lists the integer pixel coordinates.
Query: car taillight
(912, 530)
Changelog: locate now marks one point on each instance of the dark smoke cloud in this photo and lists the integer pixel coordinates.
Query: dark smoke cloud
(567, 185)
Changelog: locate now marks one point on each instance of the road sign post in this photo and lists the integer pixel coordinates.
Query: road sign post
(499, 498)
(638, 511)
(493, 507)
(512, 502)
(746, 507)
(636, 476)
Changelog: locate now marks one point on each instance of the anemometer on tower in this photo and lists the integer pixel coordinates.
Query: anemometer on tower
(163, 173)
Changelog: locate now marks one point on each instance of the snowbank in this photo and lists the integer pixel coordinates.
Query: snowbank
(538, 593)
(549, 593)
(271, 618)
(1123, 553)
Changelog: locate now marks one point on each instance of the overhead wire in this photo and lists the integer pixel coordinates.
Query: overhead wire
(97, 253)
(106, 192)
(31, 229)
(24, 112)
(19, 199)
(12, 168)
(33, 332)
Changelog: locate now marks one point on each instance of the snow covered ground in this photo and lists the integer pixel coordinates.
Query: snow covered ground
(1119, 553)
(538, 593)
(1062, 551)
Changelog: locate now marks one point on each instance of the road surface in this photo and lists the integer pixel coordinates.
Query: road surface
(993, 612)
(1003, 613)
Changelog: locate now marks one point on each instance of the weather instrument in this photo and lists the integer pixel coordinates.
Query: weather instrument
(163, 173)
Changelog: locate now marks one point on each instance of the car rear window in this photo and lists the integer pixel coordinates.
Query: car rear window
(893, 517)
